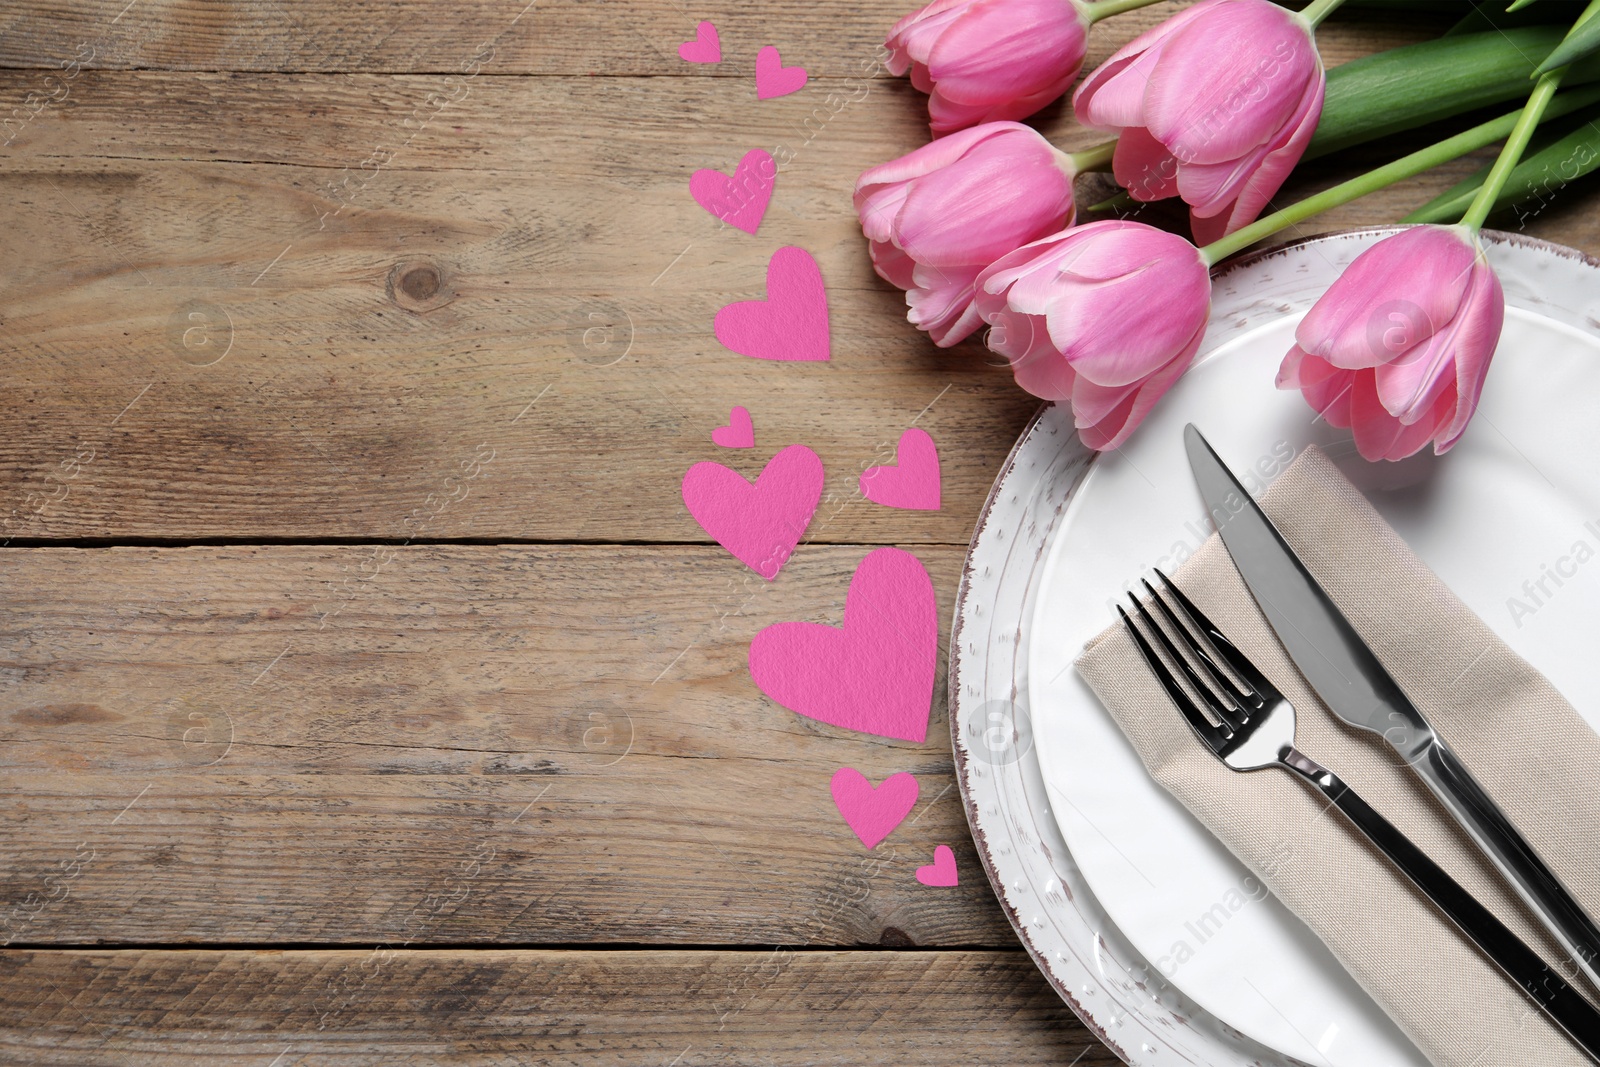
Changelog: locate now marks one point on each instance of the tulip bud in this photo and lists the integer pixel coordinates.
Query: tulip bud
(1105, 317)
(1215, 105)
(1397, 349)
(939, 215)
(985, 60)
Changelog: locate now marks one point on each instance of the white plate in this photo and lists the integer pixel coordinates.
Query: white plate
(1515, 495)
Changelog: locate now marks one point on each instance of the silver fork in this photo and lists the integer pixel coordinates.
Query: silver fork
(1243, 718)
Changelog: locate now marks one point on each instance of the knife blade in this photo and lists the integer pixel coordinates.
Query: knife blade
(1356, 686)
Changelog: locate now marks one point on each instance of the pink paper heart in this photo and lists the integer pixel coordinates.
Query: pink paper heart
(739, 433)
(759, 523)
(875, 674)
(791, 323)
(912, 482)
(773, 78)
(705, 48)
(942, 871)
(741, 200)
(873, 813)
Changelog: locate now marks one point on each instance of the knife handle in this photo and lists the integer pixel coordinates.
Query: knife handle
(1506, 950)
(1504, 844)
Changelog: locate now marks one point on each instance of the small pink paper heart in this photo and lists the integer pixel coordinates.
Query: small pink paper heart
(875, 674)
(942, 871)
(759, 523)
(773, 79)
(705, 48)
(912, 482)
(873, 813)
(739, 433)
(742, 199)
(791, 323)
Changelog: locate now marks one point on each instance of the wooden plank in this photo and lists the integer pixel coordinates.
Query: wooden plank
(573, 273)
(456, 744)
(346, 1008)
(338, 389)
(587, 37)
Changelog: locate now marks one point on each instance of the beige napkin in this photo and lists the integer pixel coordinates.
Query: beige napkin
(1531, 751)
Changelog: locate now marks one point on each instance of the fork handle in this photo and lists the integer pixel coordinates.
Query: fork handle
(1505, 949)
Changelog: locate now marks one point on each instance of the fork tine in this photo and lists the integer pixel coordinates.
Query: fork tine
(1197, 644)
(1229, 719)
(1203, 727)
(1236, 660)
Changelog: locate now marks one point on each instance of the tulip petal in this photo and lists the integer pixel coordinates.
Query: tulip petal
(1472, 362)
(1018, 337)
(1002, 49)
(1112, 96)
(1224, 198)
(986, 204)
(1112, 430)
(933, 156)
(1325, 387)
(1410, 385)
(1092, 403)
(914, 37)
(1395, 294)
(892, 265)
(1282, 157)
(880, 208)
(1452, 424)
(941, 303)
(946, 115)
(1104, 325)
(1378, 434)
(1043, 372)
(1300, 370)
(1143, 166)
(1227, 84)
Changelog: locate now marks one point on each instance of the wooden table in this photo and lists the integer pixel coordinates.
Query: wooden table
(367, 693)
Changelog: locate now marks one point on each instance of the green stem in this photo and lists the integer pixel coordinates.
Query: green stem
(1318, 10)
(1096, 158)
(1104, 9)
(1517, 143)
(1405, 167)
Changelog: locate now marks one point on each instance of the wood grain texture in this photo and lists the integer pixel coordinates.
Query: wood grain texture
(831, 38)
(496, 1008)
(445, 745)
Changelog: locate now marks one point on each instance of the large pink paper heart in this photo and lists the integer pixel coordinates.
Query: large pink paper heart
(759, 523)
(874, 675)
(912, 482)
(942, 871)
(705, 48)
(739, 433)
(791, 323)
(873, 813)
(773, 78)
(742, 199)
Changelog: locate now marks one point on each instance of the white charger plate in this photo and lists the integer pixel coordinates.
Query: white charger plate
(1103, 873)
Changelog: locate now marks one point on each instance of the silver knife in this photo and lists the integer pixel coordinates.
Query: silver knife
(1356, 687)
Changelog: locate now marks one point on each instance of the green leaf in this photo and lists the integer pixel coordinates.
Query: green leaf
(1538, 177)
(1483, 19)
(1403, 88)
(1583, 40)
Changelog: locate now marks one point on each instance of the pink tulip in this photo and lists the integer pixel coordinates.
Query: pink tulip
(1397, 349)
(1216, 105)
(1105, 316)
(938, 216)
(983, 60)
